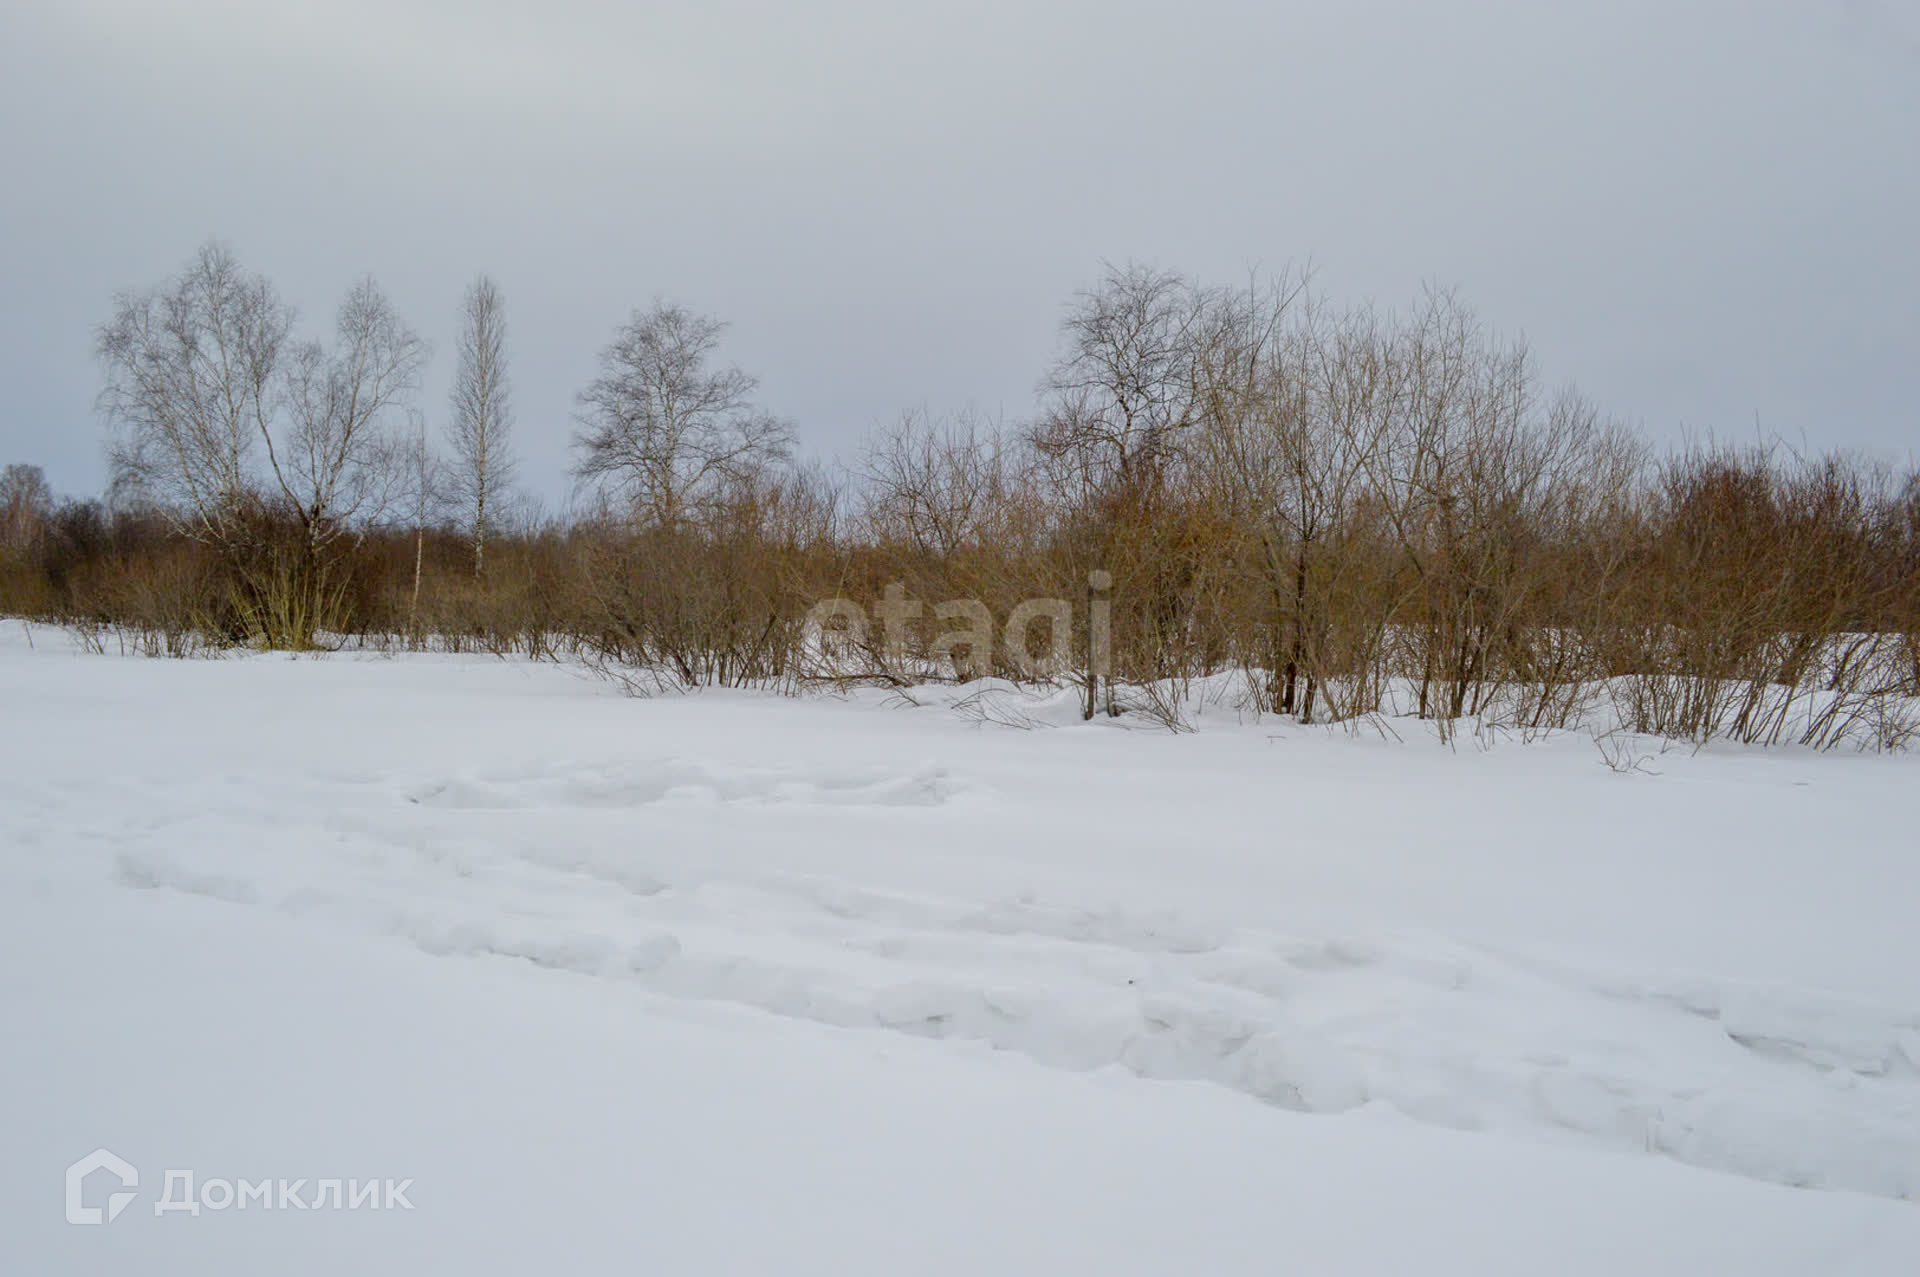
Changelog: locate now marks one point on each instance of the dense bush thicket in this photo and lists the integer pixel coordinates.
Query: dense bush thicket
(1357, 512)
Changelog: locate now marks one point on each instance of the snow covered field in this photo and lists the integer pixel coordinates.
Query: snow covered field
(732, 983)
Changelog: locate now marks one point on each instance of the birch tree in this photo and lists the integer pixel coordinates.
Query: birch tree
(665, 432)
(273, 451)
(481, 423)
(191, 381)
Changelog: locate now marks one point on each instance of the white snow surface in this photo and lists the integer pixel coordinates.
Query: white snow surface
(741, 983)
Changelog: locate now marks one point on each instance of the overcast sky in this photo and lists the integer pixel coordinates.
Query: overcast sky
(1706, 212)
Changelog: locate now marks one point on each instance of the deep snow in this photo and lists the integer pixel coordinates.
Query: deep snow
(740, 983)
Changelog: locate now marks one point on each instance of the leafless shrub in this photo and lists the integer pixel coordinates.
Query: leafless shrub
(1162, 703)
(1623, 755)
(999, 707)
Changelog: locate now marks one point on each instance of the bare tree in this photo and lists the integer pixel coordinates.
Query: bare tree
(338, 463)
(426, 489)
(664, 432)
(268, 449)
(191, 372)
(1125, 391)
(482, 421)
(26, 505)
(1296, 404)
(341, 463)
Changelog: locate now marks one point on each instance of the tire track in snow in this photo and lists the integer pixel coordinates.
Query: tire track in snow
(1778, 1085)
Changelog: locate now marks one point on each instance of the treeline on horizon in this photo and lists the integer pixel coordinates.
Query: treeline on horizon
(1359, 512)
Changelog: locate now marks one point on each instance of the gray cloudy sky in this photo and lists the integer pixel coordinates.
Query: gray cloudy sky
(1706, 212)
